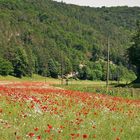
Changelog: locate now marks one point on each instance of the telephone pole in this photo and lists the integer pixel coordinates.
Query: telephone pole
(61, 68)
(108, 61)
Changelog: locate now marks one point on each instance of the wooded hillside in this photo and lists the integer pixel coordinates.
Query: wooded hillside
(37, 36)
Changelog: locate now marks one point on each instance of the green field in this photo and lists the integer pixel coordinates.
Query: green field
(32, 110)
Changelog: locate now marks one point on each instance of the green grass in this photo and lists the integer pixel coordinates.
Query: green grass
(100, 87)
(9, 78)
(34, 78)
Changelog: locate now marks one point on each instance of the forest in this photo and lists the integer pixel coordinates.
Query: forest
(53, 39)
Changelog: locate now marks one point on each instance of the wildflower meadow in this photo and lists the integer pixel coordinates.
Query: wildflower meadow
(39, 111)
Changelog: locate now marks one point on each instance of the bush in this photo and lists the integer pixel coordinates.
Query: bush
(6, 67)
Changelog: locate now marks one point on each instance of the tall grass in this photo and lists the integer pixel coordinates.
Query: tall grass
(125, 92)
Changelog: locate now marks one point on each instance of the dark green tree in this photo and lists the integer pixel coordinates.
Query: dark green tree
(67, 66)
(134, 52)
(84, 73)
(20, 63)
(53, 69)
(96, 53)
(6, 67)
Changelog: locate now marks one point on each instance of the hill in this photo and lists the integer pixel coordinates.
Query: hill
(42, 36)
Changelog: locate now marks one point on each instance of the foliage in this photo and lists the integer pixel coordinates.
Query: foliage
(20, 62)
(134, 51)
(97, 71)
(5, 67)
(44, 29)
(53, 68)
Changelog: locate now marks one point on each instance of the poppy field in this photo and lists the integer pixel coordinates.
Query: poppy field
(39, 111)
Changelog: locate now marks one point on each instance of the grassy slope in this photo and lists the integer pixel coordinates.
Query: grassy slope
(33, 78)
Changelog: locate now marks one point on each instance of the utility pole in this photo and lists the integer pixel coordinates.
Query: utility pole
(108, 61)
(61, 68)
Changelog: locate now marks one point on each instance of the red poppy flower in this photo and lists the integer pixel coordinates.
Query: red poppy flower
(49, 126)
(36, 129)
(38, 137)
(85, 136)
(31, 134)
(117, 138)
(94, 136)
